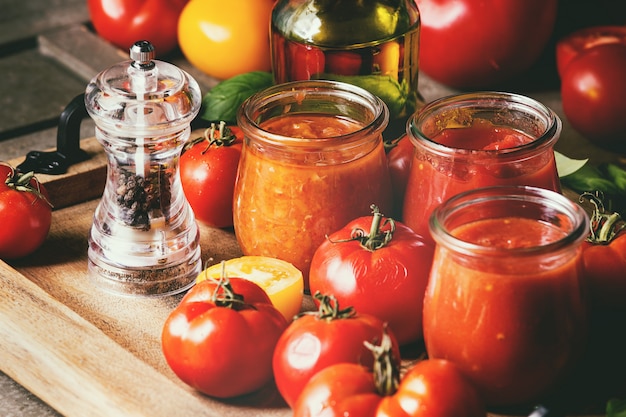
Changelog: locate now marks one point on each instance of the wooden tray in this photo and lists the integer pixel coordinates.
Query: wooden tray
(86, 352)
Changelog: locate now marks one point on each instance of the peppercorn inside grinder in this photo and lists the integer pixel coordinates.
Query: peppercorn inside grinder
(144, 240)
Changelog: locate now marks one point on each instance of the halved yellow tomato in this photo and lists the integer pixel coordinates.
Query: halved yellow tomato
(282, 281)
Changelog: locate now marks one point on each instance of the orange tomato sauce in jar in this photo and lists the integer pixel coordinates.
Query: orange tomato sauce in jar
(288, 198)
(506, 301)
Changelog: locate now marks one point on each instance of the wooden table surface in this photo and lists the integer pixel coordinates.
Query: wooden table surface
(48, 55)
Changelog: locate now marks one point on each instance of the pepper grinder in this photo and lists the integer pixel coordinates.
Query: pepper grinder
(144, 240)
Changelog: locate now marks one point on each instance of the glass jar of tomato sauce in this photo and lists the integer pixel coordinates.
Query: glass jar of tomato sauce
(467, 141)
(313, 160)
(505, 299)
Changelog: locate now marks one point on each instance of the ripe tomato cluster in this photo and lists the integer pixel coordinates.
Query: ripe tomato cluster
(208, 32)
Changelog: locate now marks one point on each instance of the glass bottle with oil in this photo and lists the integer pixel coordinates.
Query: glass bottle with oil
(370, 43)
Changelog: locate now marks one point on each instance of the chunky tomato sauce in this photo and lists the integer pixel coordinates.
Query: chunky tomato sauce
(284, 207)
(512, 324)
(433, 179)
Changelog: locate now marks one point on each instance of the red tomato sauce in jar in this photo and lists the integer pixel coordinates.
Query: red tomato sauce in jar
(285, 205)
(482, 161)
(512, 325)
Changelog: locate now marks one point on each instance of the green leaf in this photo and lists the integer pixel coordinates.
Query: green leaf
(615, 174)
(589, 178)
(566, 166)
(616, 408)
(222, 101)
(385, 87)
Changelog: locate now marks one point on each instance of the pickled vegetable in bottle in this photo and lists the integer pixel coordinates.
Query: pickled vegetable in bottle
(370, 43)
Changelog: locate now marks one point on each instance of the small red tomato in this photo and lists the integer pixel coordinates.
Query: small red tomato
(399, 160)
(568, 47)
(306, 61)
(25, 213)
(378, 266)
(329, 336)
(593, 88)
(124, 22)
(431, 388)
(604, 256)
(221, 337)
(343, 62)
(208, 170)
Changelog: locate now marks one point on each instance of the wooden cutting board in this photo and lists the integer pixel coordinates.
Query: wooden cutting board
(89, 353)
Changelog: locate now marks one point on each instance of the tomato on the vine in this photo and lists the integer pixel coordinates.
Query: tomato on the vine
(430, 388)
(478, 44)
(380, 267)
(316, 340)
(208, 170)
(569, 46)
(25, 213)
(221, 337)
(124, 22)
(593, 88)
(226, 38)
(604, 256)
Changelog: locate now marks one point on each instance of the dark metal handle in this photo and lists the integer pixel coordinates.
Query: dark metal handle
(68, 149)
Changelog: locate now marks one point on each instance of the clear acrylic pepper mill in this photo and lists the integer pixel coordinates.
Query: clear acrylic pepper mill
(144, 239)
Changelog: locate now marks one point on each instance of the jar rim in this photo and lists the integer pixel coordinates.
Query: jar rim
(486, 100)
(293, 93)
(518, 194)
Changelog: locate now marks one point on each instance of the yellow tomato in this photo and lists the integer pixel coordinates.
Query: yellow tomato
(281, 280)
(226, 38)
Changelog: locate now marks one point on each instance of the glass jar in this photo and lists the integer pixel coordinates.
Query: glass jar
(313, 160)
(505, 299)
(144, 240)
(467, 141)
(370, 43)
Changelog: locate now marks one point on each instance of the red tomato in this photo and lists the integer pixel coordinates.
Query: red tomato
(25, 213)
(343, 62)
(306, 61)
(399, 162)
(383, 273)
(208, 170)
(472, 44)
(593, 88)
(221, 337)
(314, 341)
(123, 22)
(568, 47)
(605, 257)
(431, 388)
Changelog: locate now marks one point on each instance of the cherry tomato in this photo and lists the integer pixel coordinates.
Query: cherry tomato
(593, 88)
(568, 47)
(25, 213)
(208, 169)
(226, 38)
(221, 337)
(479, 44)
(431, 388)
(378, 266)
(314, 341)
(399, 162)
(123, 22)
(306, 61)
(343, 62)
(605, 257)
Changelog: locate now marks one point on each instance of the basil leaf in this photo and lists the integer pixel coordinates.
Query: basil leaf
(615, 174)
(566, 166)
(616, 408)
(222, 101)
(389, 90)
(589, 178)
